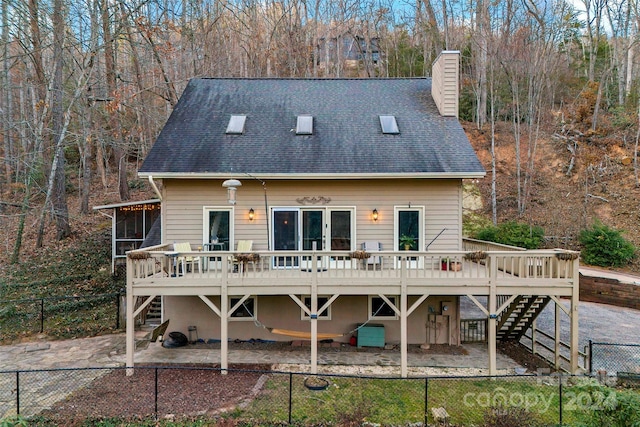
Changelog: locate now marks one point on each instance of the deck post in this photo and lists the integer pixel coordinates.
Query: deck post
(575, 297)
(558, 337)
(313, 318)
(404, 371)
(224, 316)
(493, 316)
(130, 335)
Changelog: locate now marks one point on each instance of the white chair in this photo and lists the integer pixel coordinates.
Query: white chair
(184, 260)
(242, 257)
(371, 246)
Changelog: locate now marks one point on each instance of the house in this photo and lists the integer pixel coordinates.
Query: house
(350, 49)
(297, 198)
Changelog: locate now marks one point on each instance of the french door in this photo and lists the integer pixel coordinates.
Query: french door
(217, 233)
(302, 229)
(409, 226)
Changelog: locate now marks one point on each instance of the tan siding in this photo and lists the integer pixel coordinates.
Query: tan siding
(185, 199)
(444, 85)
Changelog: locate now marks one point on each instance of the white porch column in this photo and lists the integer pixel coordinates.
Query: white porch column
(130, 335)
(575, 297)
(404, 371)
(313, 317)
(224, 319)
(492, 323)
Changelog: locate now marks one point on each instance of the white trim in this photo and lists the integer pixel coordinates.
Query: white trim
(251, 318)
(421, 220)
(326, 218)
(392, 298)
(305, 316)
(206, 210)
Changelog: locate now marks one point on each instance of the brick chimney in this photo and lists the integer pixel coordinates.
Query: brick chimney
(445, 82)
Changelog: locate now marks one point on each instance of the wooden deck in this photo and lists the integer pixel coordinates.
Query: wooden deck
(506, 277)
(549, 272)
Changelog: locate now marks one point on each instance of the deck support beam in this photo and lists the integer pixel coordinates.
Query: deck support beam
(224, 322)
(575, 297)
(493, 316)
(130, 335)
(404, 370)
(556, 347)
(313, 317)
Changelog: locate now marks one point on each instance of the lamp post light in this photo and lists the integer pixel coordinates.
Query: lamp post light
(231, 185)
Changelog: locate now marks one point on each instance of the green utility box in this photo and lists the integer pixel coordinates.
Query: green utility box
(371, 336)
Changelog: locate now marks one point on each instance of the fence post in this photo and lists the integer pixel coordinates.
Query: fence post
(560, 398)
(41, 315)
(118, 311)
(290, 395)
(426, 400)
(590, 357)
(17, 392)
(156, 393)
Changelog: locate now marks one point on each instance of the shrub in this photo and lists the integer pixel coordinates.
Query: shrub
(513, 233)
(605, 406)
(13, 421)
(605, 247)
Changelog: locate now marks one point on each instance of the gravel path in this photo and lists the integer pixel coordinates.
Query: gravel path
(597, 322)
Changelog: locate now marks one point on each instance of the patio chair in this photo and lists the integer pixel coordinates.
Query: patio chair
(187, 259)
(371, 246)
(242, 257)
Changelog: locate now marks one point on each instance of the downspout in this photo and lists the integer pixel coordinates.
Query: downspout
(155, 187)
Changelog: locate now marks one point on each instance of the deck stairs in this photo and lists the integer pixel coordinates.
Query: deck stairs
(152, 313)
(518, 317)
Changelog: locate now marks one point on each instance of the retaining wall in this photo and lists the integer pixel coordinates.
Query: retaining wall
(609, 291)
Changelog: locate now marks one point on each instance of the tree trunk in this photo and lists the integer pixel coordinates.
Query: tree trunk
(36, 53)
(15, 255)
(483, 33)
(59, 200)
(114, 120)
(7, 110)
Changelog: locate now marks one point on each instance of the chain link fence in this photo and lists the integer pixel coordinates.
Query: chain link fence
(614, 358)
(262, 397)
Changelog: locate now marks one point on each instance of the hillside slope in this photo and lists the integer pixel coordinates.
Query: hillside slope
(601, 185)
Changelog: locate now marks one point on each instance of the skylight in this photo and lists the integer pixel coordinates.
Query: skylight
(389, 124)
(304, 126)
(236, 124)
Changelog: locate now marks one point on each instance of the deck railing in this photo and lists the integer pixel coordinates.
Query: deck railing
(156, 263)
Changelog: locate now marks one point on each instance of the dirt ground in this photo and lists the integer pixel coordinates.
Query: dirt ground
(182, 391)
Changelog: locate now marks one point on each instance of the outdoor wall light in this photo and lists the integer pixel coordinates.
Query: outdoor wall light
(374, 214)
(251, 214)
(231, 185)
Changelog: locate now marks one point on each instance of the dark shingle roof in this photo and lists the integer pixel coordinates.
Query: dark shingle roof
(347, 138)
